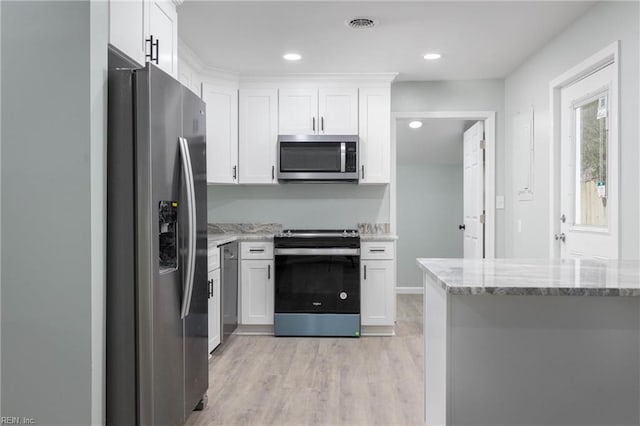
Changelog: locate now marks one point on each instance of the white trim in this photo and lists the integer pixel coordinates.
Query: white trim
(410, 290)
(489, 118)
(606, 56)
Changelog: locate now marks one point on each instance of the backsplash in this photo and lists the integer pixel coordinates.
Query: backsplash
(374, 228)
(244, 228)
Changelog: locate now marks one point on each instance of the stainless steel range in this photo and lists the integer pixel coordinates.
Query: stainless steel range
(317, 283)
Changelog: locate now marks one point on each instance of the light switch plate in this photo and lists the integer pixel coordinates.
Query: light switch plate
(499, 202)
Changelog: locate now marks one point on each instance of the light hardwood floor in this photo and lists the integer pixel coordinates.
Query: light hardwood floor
(261, 380)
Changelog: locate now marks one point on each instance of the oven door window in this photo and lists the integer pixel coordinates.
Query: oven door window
(310, 157)
(317, 284)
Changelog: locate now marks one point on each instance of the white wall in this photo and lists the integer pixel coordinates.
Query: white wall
(529, 85)
(470, 95)
(300, 205)
(53, 140)
(429, 203)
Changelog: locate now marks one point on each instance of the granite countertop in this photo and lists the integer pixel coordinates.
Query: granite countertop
(378, 237)
(535, 277)
(223, 233)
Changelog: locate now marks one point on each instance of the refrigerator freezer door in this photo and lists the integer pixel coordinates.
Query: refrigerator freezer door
(160, 290)
(196, 332)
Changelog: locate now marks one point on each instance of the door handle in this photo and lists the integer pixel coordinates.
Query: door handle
(462, 227)
(561, 237)
(187, 171)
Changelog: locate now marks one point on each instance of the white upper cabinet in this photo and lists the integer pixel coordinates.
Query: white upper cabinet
(127, 32)
(189, 77)
(338, 111)
(222, 133)
(375, 135)
(258, 135)
(163, 27)
(146, 30)
(318, 112)
(298, 110)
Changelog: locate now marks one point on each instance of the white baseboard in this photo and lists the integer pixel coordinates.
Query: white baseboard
(410, 290)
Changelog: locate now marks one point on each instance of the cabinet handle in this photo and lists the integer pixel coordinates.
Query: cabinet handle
(365, 272)
(376, 250)
(210, 289)
(152, 44)
(322, 124)
(313, 124)
(273, 172)
(268, 272)
(157, 52)
(235, 168)
(363, 171)
(256, 250)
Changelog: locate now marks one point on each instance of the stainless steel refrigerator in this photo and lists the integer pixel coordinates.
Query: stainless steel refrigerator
(156, 346)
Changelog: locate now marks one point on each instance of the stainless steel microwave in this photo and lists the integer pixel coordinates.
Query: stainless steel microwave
(318, 158)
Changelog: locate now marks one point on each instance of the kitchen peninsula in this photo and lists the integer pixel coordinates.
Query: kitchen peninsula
(523, 342)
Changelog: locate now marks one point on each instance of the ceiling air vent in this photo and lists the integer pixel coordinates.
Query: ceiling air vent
(361, 23)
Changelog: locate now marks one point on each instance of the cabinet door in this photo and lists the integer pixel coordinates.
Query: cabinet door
(163, 26)
(258, 135)
(256, 290)
(127, 27)
(214, 309)
(298, 112)
(338, 111)
(375, 135)
(377, 293)
(222, 133)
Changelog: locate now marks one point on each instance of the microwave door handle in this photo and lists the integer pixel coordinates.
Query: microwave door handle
(343, 157)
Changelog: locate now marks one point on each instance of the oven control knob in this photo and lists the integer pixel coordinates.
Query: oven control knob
(343, 295)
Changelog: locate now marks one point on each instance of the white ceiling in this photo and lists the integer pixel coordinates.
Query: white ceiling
(477, 39)
(438, 141)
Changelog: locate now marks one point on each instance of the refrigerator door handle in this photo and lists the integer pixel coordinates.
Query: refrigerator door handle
(191, 227)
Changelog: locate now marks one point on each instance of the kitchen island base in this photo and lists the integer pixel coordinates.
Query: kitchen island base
(530, 360)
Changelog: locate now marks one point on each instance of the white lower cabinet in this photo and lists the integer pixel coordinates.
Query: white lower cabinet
(214, 308)
(256, 292)
(377, 303)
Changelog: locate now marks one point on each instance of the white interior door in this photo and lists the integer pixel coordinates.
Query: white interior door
(473, 184)
(589, 168)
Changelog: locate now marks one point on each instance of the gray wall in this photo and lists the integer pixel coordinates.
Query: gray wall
(529, 85)
(300, 205)
(470, 95)
(429, 203)
(52, 202)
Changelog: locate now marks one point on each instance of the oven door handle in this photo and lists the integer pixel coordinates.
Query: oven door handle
(317, 252)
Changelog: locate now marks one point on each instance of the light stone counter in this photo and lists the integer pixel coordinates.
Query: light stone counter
(575, 277)
(378, 237)
(517, 342)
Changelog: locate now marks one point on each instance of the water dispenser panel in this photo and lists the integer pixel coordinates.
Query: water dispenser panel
(168, 234)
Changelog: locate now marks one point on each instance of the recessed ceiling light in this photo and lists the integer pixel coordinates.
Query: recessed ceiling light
(292, 57)
(415, 124)
(432, 56)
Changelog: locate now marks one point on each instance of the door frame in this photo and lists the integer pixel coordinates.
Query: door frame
(610, 55)
(489, 118)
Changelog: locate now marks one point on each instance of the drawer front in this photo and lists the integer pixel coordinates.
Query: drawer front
(256, 250)
(372, 250)
(213, 259)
